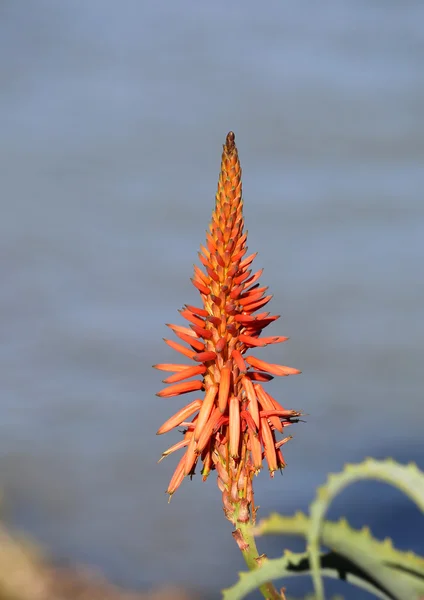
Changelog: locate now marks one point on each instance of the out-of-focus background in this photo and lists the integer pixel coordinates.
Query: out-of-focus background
(112, 119)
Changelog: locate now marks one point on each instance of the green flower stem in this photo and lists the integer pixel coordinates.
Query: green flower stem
(251, 556)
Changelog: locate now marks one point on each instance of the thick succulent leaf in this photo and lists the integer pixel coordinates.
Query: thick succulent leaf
(350, 547)
(409, 479)
(270, 570)
(289, 565)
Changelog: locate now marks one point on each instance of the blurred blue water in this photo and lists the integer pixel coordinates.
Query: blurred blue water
(112, 120)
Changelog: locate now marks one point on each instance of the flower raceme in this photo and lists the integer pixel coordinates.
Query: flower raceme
(232, 427)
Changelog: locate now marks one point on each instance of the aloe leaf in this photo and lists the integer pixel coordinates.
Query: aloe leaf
(347, 544)
(409, 479)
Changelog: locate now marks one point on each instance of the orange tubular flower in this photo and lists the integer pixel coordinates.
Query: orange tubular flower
(235, 423)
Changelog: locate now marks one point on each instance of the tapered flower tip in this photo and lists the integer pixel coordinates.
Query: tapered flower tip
(230, 140)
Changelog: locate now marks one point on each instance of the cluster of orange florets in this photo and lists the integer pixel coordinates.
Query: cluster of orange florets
(234, 410)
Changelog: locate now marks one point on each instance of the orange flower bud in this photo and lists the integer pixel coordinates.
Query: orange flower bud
(234, 426)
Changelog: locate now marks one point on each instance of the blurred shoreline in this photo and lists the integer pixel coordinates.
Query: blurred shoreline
(26, 573)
